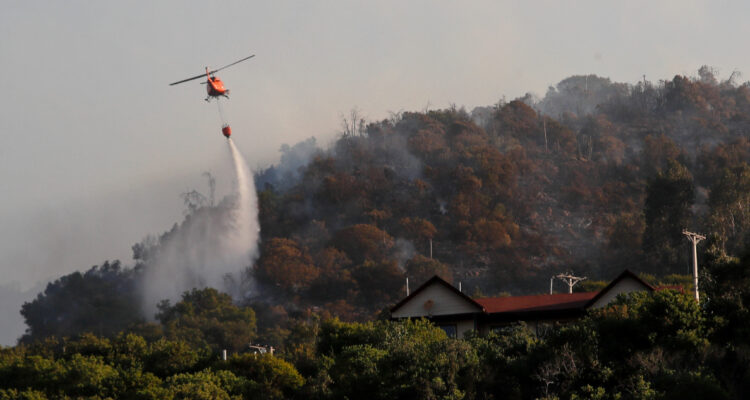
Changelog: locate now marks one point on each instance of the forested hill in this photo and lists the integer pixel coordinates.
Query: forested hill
(593, 178)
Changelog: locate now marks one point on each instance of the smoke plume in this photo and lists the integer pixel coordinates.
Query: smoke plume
(211, 248)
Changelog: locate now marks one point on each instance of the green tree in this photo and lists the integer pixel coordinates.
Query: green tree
(27, 394)
(168, 357)
(397, 360)
(101, 300)
(205, 385)
(207, 317)
(88, 376)
(269, 377)
(669, 197)
(726, 286)
(504, 364)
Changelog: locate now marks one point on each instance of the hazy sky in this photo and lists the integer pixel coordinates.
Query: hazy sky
(95, 147)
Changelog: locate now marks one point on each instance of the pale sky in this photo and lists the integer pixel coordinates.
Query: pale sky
(95, 147)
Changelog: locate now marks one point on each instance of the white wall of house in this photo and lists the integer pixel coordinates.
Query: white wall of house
(434, 300)
(626, 285)
(438, 300)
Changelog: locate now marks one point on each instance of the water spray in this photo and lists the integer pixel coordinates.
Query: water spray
(247, 227)
(212, 248)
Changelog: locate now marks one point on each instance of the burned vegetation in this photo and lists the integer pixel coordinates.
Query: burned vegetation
(595, 177)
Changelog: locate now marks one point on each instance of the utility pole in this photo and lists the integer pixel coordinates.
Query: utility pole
(694, 238)
(567, 278)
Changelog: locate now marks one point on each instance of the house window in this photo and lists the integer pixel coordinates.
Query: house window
(450, 330)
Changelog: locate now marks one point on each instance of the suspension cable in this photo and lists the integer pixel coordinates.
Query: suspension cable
(221, 112)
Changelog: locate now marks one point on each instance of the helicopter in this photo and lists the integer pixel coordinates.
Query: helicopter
(216, 89)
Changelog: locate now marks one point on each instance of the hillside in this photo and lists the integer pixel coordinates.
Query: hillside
(595, 177)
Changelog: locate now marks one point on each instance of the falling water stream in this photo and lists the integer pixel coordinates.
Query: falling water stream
(212, 248)
(246, 218)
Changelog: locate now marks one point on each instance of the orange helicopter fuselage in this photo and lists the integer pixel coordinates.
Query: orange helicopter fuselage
(214, 86)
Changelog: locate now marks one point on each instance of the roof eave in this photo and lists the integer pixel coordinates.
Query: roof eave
(441, 281)
(625, 274)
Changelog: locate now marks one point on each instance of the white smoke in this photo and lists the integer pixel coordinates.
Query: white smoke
(404, 251)
(211, 248)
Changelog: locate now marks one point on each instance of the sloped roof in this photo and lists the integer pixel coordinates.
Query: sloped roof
(540, 302)
(437, 280)
(625, 274)
(534, 304)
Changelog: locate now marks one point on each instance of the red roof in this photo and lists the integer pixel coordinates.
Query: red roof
(513, 306)
(540, 302)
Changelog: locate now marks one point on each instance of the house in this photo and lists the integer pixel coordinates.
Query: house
(457, 313)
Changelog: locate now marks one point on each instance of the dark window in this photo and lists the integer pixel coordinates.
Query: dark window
(450, 330)
(500, 329)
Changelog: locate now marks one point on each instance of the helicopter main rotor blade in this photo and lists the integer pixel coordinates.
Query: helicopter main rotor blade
(212, 72)
(203, 75)
(236, 62)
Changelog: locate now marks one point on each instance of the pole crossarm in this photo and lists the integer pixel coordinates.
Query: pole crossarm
(567, 278)
(693, 237)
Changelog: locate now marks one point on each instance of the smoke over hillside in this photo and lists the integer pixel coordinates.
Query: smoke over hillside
(211, 248)
(12, 296)
(595, 177)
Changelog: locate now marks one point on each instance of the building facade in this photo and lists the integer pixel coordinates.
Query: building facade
(458, 314)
